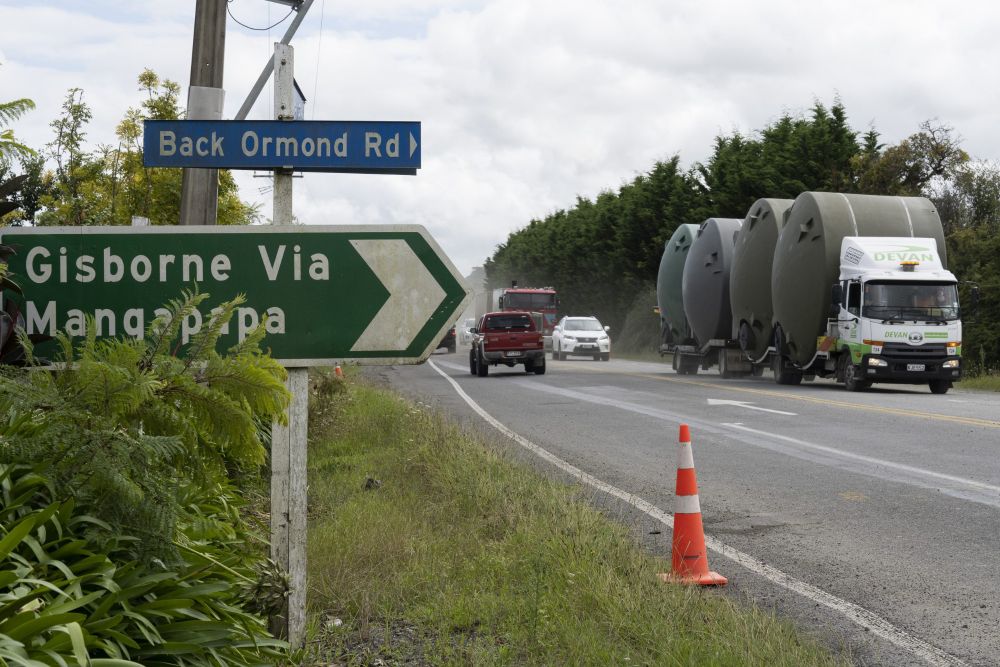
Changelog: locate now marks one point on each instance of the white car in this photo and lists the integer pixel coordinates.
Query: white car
(582, 336)
(464, 333)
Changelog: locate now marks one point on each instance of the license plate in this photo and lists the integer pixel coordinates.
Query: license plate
(587, 347)
(515, 353)
(915, 367)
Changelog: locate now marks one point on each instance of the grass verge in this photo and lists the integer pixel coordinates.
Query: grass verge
(429, 546)
(984, 382)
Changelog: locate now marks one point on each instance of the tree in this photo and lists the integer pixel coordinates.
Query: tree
(910, 167)
(10, 147)
(109, 185)
(12, 186)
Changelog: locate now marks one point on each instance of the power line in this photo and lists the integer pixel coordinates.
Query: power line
(319, 49)
(250, 27)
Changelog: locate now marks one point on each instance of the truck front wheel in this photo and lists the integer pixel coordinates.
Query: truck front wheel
(940, 386)
(850, 373)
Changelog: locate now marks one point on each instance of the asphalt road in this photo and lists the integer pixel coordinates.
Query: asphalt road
(887, 502)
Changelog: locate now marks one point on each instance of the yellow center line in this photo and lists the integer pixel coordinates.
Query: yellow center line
(973, 421)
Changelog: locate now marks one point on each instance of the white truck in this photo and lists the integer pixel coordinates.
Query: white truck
(849, 286)
(896, 316)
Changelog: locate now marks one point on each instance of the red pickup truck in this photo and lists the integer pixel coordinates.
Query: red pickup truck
(507, 338)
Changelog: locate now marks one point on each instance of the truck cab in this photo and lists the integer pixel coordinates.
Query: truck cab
(897, 315)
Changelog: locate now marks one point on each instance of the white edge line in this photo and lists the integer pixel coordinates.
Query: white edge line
(855, 613)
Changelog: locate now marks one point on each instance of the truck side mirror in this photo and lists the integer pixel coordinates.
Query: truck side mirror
(473, 330)
(836, 299)
(606, 328)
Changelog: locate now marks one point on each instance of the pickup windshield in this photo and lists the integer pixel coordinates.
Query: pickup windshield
(929, 302)
(509, 322)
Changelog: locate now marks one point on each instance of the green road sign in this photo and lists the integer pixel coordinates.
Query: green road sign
(371, 294)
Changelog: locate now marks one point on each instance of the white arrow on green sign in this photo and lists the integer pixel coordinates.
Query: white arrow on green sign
(371, 294)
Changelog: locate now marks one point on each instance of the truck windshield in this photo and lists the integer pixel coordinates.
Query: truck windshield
(529, 301)
(929, 302)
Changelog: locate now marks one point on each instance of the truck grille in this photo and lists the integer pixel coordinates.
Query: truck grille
(901, 350)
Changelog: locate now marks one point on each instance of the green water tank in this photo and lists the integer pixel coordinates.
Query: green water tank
(673, 323)
(807, 256)
(750, 276)
(706, 279)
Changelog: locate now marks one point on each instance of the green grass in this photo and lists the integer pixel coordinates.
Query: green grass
(984, 382)
(461, 556)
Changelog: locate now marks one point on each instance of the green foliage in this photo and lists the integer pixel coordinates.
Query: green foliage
(123, 537)
(68, 599)
(10, 147)
(109, 185)
(126, 424)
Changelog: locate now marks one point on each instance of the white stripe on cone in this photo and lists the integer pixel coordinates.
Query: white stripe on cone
(687, 505)
(685, 459)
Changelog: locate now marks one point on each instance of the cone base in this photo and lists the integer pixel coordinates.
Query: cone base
(706, 579)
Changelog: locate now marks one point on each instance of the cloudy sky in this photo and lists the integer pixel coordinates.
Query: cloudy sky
(526, 104)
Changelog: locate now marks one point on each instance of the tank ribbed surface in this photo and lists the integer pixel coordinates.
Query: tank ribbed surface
(705, 286)
(750, 276)
(668, 284)
(807, 255)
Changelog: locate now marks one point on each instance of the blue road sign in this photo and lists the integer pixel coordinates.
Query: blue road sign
(319, 145)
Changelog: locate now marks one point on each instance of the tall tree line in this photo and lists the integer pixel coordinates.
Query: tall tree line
(601, 253)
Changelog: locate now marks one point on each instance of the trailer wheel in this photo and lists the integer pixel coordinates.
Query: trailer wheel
(688, 365)
(724, 370)
(745, 336)
(784, 372)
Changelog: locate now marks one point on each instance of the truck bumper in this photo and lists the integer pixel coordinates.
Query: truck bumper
(512, 357)
(913, 370)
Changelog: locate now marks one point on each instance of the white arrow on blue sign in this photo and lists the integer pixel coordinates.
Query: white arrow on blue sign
(382, 147)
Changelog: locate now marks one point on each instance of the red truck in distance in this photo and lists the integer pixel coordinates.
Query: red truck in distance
(542, 300)
(509, 338)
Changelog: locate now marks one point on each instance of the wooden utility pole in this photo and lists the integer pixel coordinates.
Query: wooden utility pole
(200, 187)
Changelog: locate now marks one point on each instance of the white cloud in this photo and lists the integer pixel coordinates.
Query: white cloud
(525, 105)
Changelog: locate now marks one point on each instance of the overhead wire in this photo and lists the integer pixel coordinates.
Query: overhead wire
(250, 27)
(319, 49)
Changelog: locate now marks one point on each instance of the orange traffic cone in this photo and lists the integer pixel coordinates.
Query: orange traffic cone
(690, 562)
(338, 371)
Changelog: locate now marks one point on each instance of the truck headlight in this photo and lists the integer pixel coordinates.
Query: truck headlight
(951, 363)
(876, 362)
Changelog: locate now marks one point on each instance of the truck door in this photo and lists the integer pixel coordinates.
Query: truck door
(848, 323)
